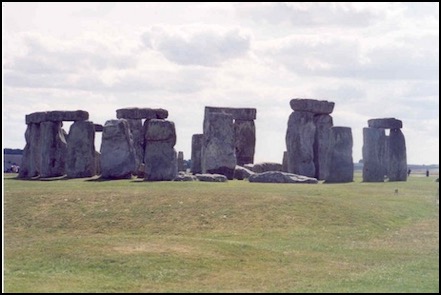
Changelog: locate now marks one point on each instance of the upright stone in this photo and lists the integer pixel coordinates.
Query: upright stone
(81, 150)
(285, 162)
(181, 161)
(30, 164)
(340, 163)
(245, 141)
(137, 130)
(160, 155)
(323, 124)
(118, 155)
(196, 150)
(53, 149)
(397, 159)
(374, 151)
(218, 152)
(300, 136)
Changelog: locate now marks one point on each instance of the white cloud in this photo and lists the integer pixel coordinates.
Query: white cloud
(198, 44)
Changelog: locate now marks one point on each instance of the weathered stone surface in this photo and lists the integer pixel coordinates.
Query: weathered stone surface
(137, 130)
(53, 149)
(300, 136)
(97, 163)
(280, 177)
(80, 160)
(141, 113)
(181, 161)
(218, 153)
(245, 114)
(374, 151)
(30, 164)
(245, 141)
(386, 123)
(160, 161)
(340, 163)
(160, 130)
(397, 159)
(160, 156)
(285, 162)
(98, 127)
(323, 124)
(312, 105)
(183, 176)
(264, 167)
(118, 156)
(57, 116)
(211, 177)
(242, 173)
(196, 150)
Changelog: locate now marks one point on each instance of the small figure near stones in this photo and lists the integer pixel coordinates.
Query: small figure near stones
(408, 172)
(427, 173)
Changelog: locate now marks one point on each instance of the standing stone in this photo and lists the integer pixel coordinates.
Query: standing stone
(81, 150)
(30, 166)
(397, 160)
(285, 162)
(340, 163)
(300, 137)
(218, 152)
(245, 141)
(374, 151)
(53, 149)
(137, 130)
(118, 156)
(323, 124)
(196, 150)
(181, 161)
(160, 155)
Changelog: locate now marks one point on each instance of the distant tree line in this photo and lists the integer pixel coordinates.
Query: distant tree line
(12, 152)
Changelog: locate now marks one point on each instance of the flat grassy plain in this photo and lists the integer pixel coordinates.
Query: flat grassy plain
(84, 235)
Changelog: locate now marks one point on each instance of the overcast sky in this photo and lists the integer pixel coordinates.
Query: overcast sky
(374, 60)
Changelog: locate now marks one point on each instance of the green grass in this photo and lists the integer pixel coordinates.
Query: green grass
(133, 236)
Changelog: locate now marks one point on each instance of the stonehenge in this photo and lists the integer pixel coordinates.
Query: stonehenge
(384, 156)
(141, 142)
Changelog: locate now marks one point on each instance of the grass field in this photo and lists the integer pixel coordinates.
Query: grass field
(82, 235)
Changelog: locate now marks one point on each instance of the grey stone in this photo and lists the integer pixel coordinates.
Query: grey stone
(141, 113)
(137, 130)
(386, 123)
(340, 163)
(30, 166)
(196, 150)
(97, 163)
(181, 161)
(300, 136)
(160, 156)
(264, 167)
(312, 105)
(57, 116)
(245, 114)
(285, 162)
(53, 149)
(182, 176)
(80, 160)
(242, 173)
(397, 159)
(98, 127)
(245, 141)
(118, 155)
(218, 153)
(280, 177)
(160, 130)
(374, 151)
(323, 124)
(160, 161)
(214, 177)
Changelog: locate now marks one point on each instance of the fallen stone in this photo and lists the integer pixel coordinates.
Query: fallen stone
(280, 177)
(211, 177)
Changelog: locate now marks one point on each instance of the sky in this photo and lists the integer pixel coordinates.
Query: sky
(373, 60)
